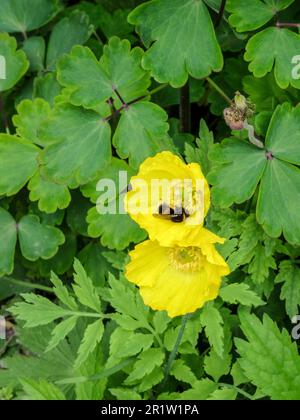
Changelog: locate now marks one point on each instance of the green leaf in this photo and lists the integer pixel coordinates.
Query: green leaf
(201, 390)
(125, 394)
(15, 62)
(278, 202)
(289, 275)
(84, 288)
(182, 372)
(50, 196)
(26, 15)
(283, 136)
(37, 310)
(125, 343)
(70, 31)
(41, 390)
(116, 229)
(248, 16)
(217, 366)
(240, 293)
(62, 293)
(38, 240)
(238, 169)
(223, 394)
(147, 124)
(79, 136)
(8, 240)
(46, 87)
(127, 301)
(95, 263)
(19, 162)
(61, 330)
(274, 48)
(35, 49)
(184, 40)
(92, 336)
(152, 379)
(146, 363)
(31, 115)
(269, 353)
(91, 82)
(212, 321)
(204, 146)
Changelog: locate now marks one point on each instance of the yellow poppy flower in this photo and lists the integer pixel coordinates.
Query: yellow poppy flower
(169, 199)
(177, 279)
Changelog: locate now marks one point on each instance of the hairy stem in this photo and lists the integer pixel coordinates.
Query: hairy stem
(251, 135)
(221, 13)
(219, 90)
(185, 109)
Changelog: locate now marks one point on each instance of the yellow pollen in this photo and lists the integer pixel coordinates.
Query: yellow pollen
(186, 259)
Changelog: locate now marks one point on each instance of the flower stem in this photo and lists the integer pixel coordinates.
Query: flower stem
(219, 90)
(287, 25)
(174, 351)
(220, 14)
(185, 109)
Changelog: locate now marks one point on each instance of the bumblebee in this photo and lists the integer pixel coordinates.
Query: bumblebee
(176, 215)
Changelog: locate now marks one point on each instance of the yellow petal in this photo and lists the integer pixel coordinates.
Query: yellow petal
(178, 286)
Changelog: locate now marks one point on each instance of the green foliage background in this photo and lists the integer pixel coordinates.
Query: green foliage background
(92, 88)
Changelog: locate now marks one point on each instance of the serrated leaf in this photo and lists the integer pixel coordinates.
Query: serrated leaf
(62, 292)
(240, 293)
(223, 394)
(289, 275)
(248, 16)
(152, 379)
(128, 343)
(31, 115)
(269, 353)
(200, 391)
(42, 390)
(91, 82)
(70, 31)
(259, 267)
(212, 321)
(92, 336)
(61, 330)
(237, 171)
(125, 394)
(84, 288)
(184, 40)
(19, 162)
(79, 136)
(274, 48)
(37, 310)
(147, 124)
(146, 363)
(38, 240)
(182, 372)
(217, 366)
(26, 15)
(15, 62)
(8, 240)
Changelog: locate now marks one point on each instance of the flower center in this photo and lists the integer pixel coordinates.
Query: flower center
(186, 259)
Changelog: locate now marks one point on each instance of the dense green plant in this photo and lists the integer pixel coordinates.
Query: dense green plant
(93, 88)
